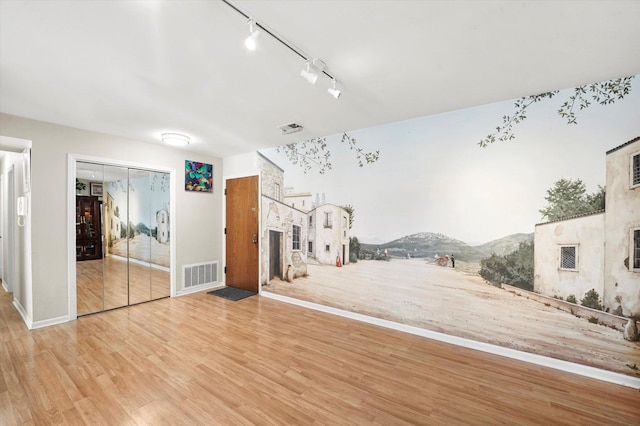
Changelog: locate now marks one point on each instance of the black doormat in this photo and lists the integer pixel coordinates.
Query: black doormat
(232, 293)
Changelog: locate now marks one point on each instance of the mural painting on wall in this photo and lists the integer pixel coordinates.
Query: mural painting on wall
(139, 229)
(439, 232)
(198, 176)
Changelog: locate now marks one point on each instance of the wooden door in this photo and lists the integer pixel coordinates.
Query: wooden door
(242, 233)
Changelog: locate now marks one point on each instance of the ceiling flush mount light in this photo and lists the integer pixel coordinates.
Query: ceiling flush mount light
(251, 42)
(175, 139)
(332, 90)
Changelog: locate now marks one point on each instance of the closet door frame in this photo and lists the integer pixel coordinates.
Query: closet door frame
(72, 159)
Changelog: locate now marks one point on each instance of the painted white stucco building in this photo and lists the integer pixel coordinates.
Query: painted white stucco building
(162, 219)
(329, 234)
(298, 200)
(601, 250)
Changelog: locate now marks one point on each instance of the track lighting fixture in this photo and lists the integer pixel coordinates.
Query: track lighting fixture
(309, 75)
(175, 139)
(313, 66)
(332, 90)
(251, 41)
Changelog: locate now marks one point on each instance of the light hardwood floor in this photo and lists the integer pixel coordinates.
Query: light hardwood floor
(200, 359)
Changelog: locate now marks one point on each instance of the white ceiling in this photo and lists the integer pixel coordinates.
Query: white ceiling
(139, 68)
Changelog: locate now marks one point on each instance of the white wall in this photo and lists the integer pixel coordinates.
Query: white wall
(197, 230)
(240, 165)
(587, 233)
(623, 215)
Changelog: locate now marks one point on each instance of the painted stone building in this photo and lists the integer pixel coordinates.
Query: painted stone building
(112, 223)
(284, 231)
(598, 251)
(294, 228)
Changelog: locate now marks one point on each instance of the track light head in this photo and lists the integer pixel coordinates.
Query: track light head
(332, 90)
(251, 42)
(309, 75)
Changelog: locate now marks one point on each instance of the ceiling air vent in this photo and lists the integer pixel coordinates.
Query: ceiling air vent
(290, 128)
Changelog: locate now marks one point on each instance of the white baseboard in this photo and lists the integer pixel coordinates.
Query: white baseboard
(51, 321)
(23, 313)
(571, 367)
(32, 325)
(202, 287)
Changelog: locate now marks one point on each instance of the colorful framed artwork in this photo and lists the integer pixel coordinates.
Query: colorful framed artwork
(198, 176)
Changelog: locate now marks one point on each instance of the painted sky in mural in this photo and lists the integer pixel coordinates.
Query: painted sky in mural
(433, 177)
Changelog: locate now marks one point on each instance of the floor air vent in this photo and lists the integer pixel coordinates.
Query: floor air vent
(200, 273)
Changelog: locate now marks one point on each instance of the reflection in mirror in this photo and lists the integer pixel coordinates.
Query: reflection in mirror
(160, 237)
(88, 223)
(138, 236)
(116, 276)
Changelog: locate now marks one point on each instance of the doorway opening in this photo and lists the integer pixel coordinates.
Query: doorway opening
(275, 255)
(15, 222)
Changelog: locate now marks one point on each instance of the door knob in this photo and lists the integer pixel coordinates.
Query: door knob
(255, 238)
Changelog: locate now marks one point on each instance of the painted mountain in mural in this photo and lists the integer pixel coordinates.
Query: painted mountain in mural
(430, 244)
(504, 245)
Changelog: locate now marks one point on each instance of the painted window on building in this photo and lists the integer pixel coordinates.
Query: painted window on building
(636, 249)
(296, 238)
(276, 191)
(569, 258)
(310, 246)
(635, 170)
(328, 223)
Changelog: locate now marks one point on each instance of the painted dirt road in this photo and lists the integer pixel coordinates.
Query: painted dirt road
(416, 293)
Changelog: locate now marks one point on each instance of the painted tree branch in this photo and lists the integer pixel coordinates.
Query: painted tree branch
(602, 93)
(314, 153)
(368, 157)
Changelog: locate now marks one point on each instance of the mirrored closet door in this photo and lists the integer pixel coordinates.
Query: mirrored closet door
(122, 236)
